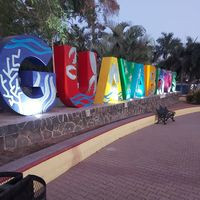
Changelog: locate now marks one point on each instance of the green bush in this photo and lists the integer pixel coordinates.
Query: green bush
(197, 97)
(194, 97)
(190, 98)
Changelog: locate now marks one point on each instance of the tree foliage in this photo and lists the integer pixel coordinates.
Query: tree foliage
(52, 19)
(125, 41)
(86, 25)
(170, 53)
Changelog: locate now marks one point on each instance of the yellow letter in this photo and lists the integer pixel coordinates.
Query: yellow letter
(109, 84)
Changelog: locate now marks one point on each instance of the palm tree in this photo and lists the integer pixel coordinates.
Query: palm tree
(125, 41)
(171, 54)
(168, 52)
(166, 45)
(192, 56)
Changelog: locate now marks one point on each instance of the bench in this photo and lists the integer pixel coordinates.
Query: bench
(163, 114)
(14, 187)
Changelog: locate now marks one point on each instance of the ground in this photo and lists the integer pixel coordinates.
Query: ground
(160, 162)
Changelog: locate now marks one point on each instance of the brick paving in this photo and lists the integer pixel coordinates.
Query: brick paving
(161, 162)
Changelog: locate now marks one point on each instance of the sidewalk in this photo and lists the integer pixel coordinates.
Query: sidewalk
(161, 162)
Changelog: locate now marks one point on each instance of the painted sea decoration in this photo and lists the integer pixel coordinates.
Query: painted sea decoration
(13, 51)
(76, 80)
(109, 85)
(150, 80)
(160, 81)
(126, 69)
(138, 86)
(30, 92)
(173, 88)
(167, 81)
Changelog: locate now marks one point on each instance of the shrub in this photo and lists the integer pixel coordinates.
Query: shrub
(197, 97)
(190, 98)
(194, 97)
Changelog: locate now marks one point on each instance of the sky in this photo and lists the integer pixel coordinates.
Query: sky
(182, 17)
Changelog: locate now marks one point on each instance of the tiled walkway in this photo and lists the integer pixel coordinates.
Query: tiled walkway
(161, 162)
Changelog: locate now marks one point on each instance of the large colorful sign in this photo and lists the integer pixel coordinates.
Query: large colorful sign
(167, 81)
(138, 86)
(160, 81)
(126, 69)
(109, 84)
(150, 79)
(173, 89)
(75, 78)
(13, 51)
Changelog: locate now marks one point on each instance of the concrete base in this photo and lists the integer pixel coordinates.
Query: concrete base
(22, 131)
(183, 98)
(54, 161)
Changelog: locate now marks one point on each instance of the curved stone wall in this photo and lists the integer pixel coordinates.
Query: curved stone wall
(70, 124)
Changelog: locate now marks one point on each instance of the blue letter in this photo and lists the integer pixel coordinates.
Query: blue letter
(13, 51)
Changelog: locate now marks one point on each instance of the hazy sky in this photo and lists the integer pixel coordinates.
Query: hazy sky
(182, 17)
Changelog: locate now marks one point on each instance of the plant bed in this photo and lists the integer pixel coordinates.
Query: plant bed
(194, 97)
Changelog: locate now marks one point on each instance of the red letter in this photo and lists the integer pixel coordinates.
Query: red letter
(76, 82)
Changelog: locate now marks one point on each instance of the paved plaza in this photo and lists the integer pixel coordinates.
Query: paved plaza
(161, 162)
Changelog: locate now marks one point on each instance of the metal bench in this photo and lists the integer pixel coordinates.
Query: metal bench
(14, 187)
(163, 114)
